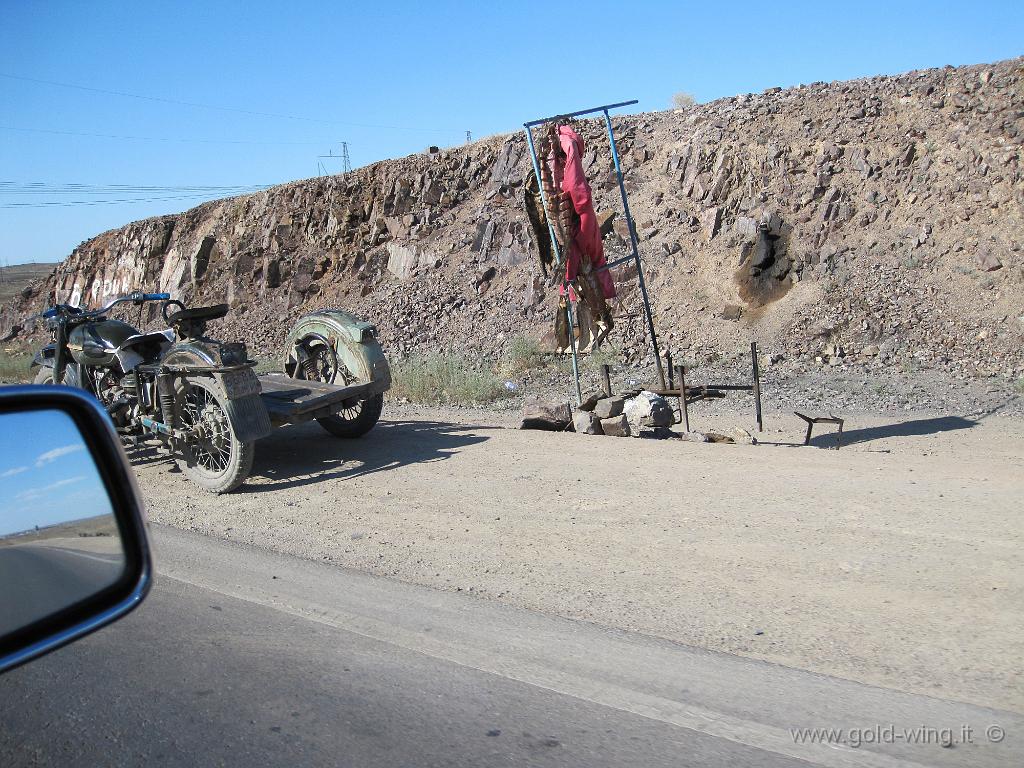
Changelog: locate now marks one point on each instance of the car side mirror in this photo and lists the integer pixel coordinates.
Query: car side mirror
(73, 549)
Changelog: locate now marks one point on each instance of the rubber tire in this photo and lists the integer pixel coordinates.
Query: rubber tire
(360, 425)
(44, 376)
(241, 456)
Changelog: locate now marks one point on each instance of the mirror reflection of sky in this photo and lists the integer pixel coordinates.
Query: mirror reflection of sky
(47, 475)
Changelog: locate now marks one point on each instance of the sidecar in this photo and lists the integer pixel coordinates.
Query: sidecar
(334, 371)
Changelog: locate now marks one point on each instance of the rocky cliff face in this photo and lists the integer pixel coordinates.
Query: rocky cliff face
(859, 223)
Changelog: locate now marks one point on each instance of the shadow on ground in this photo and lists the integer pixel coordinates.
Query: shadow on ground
(915, 427)
(304, 454)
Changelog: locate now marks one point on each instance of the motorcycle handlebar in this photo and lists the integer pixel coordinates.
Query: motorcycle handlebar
(137, 297)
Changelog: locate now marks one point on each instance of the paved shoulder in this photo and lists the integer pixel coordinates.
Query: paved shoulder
(243, 656)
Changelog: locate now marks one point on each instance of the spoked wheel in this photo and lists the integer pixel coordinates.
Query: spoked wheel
(220, 462)
(319, 362)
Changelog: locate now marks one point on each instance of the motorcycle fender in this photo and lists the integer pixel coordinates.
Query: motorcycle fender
(355, 342)
(238, 383)
(249, 417)
(44, 357)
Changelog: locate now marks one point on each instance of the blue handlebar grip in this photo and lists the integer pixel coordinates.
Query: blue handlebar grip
(156, 296)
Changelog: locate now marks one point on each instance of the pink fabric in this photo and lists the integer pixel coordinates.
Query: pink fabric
(587, 243)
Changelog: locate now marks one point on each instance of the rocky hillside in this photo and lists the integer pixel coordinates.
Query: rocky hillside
(865, 223)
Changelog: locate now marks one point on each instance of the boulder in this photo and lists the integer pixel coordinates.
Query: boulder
(646, 411)
(605, 220)
(745, 225)
(552, 417)
(586, 423)
(617, 426)
(607, 407)
(590, 400)
(711, 222)
(402, 260)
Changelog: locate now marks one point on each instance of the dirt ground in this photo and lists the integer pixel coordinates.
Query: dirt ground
(898, 560)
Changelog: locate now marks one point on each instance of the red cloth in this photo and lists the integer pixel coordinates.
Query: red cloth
(587, 242)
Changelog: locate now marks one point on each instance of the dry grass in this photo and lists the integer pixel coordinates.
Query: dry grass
(524, 354)
(445, 379)
(521, 355)
(14, 367)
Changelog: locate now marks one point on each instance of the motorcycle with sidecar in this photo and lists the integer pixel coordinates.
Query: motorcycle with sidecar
(199, 397)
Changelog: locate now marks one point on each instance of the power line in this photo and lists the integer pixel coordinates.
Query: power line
(159, 138)
(219, 108)
(73, 203)
(47, 188)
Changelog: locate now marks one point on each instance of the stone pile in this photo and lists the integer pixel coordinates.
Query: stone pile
(644, 414)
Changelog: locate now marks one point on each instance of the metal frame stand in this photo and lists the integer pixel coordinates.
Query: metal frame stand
(686, 395)
(635, 256)
(811, 421)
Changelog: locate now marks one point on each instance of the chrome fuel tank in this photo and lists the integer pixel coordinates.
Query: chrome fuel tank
(96, 343)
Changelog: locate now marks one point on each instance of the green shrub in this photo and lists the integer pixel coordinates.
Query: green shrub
(445, 379)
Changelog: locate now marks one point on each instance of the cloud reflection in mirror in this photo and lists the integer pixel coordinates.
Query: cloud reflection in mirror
(59, 542)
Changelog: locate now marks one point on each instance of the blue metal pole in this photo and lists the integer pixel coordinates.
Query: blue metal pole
(591, 111)
(558, 265)
(636, 250)
(572, 344)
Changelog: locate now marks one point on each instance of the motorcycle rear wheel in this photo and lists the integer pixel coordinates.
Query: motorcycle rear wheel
(221, 462)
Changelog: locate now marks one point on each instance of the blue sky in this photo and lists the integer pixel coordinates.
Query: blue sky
(47, 475)
(388, 78)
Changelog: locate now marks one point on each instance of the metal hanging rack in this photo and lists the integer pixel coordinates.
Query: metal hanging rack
(634, 256)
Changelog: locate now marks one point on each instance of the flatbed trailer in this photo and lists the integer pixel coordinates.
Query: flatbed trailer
(294, 401)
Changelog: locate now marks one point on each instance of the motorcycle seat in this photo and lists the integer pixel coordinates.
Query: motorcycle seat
(198, 313)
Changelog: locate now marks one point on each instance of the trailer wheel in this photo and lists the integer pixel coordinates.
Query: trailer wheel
(322, 363)
(355, 421)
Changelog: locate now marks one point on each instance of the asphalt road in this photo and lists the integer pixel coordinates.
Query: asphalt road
(242, 657)
(38, 579)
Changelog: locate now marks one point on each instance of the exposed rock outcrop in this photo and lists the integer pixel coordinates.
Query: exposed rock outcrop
(882, 214)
